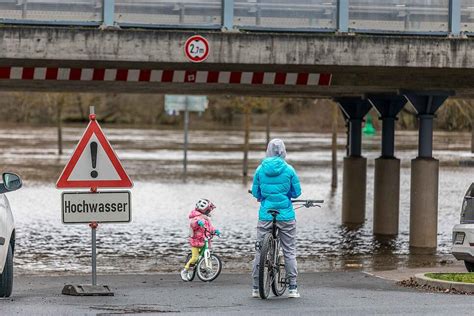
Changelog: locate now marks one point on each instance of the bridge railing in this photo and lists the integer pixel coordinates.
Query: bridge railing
(430, 17)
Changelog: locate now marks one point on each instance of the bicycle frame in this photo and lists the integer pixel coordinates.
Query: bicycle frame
(276, 242)
(205, 252)
(276, 247)
(269, 265)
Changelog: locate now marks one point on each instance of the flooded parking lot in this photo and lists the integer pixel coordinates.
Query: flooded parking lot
(155, 240)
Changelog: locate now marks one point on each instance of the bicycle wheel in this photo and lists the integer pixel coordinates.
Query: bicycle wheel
(279, 282)
(265, 269)
(191, 273)
(211, 271)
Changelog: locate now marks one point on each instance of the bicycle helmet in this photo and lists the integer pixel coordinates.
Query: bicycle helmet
(204, 206)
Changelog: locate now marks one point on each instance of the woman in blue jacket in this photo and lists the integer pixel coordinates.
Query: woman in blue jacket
(275, 183)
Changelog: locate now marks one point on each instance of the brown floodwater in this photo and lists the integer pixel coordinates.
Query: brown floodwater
(155, 240)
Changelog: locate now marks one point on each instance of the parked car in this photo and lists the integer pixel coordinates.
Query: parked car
(463, 233)
(11, 182)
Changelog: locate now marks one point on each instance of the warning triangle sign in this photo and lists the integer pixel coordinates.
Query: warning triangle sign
(94, 163)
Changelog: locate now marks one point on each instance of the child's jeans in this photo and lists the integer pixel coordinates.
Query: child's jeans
(194, 257)
(287, 233)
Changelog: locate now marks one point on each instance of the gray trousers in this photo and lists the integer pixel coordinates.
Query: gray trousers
(287, 233)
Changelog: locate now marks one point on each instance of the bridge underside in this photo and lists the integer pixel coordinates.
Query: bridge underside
(344, 82)
(356, 64)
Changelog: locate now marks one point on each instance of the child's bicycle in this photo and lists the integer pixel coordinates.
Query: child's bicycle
(209, 265)
(271, 268)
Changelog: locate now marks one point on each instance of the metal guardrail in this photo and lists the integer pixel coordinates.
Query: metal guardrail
(439, 17)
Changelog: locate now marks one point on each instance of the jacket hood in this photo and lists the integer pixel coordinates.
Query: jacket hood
(273, 166)
(276, 148)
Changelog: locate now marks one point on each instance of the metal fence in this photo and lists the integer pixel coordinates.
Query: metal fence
(362, 16)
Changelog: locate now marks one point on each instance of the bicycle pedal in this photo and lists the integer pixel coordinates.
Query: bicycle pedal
(285, 281)
(258, 245)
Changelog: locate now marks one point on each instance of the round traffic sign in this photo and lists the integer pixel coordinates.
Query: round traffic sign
(196, 48)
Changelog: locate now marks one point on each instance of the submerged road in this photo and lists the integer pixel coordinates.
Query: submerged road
(332, 293)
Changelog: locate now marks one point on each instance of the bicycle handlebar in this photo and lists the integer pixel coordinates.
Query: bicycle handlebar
(306, 203)
(209, 234)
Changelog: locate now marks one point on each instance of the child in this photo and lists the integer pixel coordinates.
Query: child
(199, 221)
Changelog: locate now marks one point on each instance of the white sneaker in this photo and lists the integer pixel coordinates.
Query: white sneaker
(255, 293)
(293, 293)
(184, 275)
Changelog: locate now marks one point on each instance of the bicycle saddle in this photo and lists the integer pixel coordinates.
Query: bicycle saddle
(273, 212)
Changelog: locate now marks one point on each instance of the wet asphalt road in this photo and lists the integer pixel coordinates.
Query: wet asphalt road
(346, 293)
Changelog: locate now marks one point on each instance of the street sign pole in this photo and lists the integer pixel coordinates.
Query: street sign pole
(186, 129)
(92, 165)
(93, 227)
(185, 104)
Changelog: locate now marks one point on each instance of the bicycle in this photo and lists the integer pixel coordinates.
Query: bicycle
(209, 265)
(271, 270)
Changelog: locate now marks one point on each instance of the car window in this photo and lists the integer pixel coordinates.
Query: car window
(467, 215)
(467, 211)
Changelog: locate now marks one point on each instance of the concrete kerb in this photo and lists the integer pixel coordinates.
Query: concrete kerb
(423, 280)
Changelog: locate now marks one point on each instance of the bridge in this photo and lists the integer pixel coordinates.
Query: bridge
(361, 53)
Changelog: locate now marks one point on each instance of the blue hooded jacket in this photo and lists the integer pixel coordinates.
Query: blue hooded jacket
(275, 183)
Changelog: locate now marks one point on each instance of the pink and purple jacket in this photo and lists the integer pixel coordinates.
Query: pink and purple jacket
(196, 238)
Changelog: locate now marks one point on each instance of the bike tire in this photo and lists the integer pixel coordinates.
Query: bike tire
(192, 275)
(204, 277)
(279, 281)
(265, 268)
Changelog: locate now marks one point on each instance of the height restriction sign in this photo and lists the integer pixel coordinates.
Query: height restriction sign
(196, 48)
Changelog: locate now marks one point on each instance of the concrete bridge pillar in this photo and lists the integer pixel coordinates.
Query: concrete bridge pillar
(387, 167)
(424, 173)
(355, 166)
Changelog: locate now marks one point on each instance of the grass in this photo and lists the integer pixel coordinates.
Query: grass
(453, 277)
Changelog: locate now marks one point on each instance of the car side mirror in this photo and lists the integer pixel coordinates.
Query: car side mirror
(11, 181)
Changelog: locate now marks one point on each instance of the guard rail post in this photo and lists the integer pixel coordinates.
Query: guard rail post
(227, 14)
(108, 18)
(343, 16)
(455, 17)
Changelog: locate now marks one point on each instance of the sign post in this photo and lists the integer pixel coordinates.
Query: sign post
(94, 164)
(186, 130)
(93, 226)
(186, 104)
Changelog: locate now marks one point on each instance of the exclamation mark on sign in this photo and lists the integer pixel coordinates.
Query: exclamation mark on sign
(94, 173)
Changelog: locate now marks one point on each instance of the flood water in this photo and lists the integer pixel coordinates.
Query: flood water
(155, 240)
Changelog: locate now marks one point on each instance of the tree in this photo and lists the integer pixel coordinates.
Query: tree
(57, 101)
(335, 118)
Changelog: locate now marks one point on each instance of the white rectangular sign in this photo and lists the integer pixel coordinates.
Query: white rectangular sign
(179, 103)
(100, 207)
